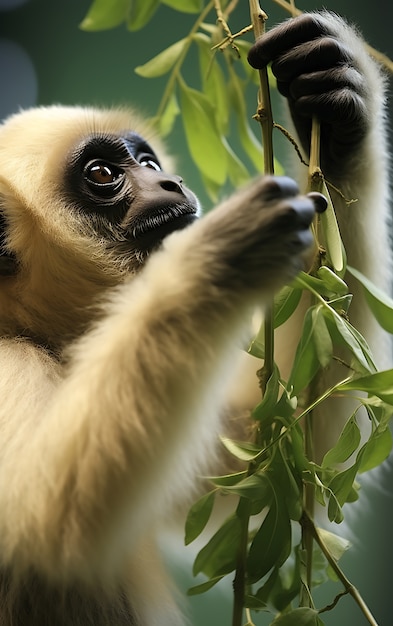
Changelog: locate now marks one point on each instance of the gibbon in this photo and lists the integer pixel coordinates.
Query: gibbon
(122, 311)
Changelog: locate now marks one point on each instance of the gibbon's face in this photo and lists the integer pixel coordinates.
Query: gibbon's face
(89, 173)
(118, 184)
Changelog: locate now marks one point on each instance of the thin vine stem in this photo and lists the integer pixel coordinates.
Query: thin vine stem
(348, 586)
(265, 118)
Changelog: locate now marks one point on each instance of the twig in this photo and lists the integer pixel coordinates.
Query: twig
(348, 586)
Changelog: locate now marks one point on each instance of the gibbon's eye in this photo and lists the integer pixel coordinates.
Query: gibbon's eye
(104, 175)
(147, 160)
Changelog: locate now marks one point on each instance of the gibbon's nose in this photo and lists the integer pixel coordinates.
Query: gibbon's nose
(173, 184)
(158, 182)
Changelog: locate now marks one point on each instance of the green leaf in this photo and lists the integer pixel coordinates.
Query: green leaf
(380, 304)
(186, 6)
(194, 591)
(306, 363)
(198, 516)
(346, 445)
(285, 303)
(167, 120)
(299, 617)
(336, 545)
(218, 557)
(321, 337)
(163, 62)
(341, 483)
(379, 384)
(334, 246)
(256, 487)
(238, 174)
(335, 513)
(344, 334)
(213, 81)
(141, 13)
(243, 450)
(228, 479)
(271, 545)
(250, 144)
(201, 131)
(376, 450)
(265, 410)
(332, 281)
(105, 14)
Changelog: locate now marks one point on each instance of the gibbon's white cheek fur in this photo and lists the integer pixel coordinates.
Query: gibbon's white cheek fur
(118, 335)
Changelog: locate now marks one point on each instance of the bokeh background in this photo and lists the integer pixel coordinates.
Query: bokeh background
(46, 58)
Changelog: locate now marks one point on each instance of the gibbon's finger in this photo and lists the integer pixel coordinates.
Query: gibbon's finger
(285, 37)
(323, 54)
(323, 82)
(277, 187)
(319, 200)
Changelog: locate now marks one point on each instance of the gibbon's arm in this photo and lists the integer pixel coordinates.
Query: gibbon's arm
(323, 69)
(119, 434)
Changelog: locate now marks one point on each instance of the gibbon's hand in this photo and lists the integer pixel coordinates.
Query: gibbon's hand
(262, 233)
(318, 73)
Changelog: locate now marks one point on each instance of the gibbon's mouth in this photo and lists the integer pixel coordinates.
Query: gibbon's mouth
(151, 228)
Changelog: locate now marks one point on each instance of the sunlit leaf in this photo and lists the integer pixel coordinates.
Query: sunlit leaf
(332, 281)
(346, 445)
(141, 12)
(243, 450)
(167, 120)
(163, 62)
(198, 516)
(380, 303)
(105, 14)
(251, 145)
(213, 81)
(198, 119)
(238, 174)
(186, 6)
(218, 557)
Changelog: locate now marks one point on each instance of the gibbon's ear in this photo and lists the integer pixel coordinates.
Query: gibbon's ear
(8, 262)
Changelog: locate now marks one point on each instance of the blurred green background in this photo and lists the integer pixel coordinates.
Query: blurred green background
(45, 58)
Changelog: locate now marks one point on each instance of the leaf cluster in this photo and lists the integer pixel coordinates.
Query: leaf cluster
(278, 467)
(213, 103)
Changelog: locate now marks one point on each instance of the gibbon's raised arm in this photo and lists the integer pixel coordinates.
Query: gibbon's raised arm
(126, 421)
